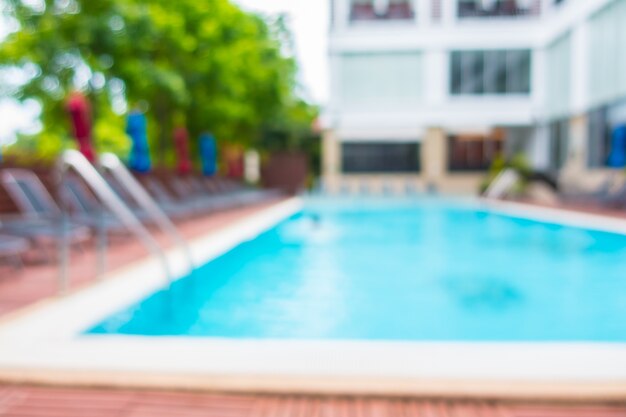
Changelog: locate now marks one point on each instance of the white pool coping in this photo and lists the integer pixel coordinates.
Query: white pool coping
(43, 344)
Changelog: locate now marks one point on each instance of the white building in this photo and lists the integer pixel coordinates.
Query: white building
(427, 92)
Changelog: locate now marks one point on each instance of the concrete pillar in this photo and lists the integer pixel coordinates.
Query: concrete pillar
(538, 80)
(422, 12)
(577, 145)
(449, 12)
(579, 84)
(539, 152)
(434, 149)
(331, 159)
(436, 64)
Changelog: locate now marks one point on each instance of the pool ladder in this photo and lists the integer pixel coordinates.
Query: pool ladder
(74, 160)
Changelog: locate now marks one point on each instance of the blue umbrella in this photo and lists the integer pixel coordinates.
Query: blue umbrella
(140, 153)
(208, 154)
(617, 158)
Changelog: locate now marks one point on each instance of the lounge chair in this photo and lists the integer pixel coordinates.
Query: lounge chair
(241, 193)
(203, 200)
(87, 209)
(610, 193)
(40, 215)
(173, 207)
(12, 248)
(131, 203)
(222, 199)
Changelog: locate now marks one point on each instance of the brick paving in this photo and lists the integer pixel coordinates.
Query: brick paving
(26, 401)
(39, 280)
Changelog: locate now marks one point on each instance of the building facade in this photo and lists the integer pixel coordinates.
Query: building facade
(426, 93)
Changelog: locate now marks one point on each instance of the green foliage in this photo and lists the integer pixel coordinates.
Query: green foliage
(519, 162)
(206, 62)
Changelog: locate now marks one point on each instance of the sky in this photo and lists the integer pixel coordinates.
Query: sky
(309, 24)
(308, 20)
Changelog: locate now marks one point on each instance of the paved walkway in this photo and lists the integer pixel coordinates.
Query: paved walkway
(17, 401)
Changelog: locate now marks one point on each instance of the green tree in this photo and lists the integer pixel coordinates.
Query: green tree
(206, 63)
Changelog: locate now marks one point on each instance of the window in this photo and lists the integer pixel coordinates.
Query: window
(381, 157)
(381, 10)
(607, 136)
(380, 81)
(473, 152)
(490, 72)
(498, 8)
(436, 13)
(558, 77)
(559, 138)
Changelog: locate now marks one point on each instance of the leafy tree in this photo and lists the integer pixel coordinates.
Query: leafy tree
(206, 64)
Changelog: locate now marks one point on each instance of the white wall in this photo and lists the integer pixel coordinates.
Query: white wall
(566, 76)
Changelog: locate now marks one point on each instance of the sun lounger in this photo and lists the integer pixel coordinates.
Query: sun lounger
(175, 208)
(87, 209)
(40, 215)
(12, 247)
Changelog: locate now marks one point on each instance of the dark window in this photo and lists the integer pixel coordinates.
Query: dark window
(389, 10)
(559, 138)
(607, 136)
(498, 8)
(490, 72)
(473, 152)
(380, 157)
(599, 138)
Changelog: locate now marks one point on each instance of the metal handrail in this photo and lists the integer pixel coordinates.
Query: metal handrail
(106, 195)
(137, 192)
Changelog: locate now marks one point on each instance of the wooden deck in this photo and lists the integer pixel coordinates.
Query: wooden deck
(20, 401)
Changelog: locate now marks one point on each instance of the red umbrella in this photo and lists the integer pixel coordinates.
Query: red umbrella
(181, 142)
(80, 111)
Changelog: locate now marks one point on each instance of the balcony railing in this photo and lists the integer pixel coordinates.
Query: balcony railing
(498, 8)
(372, 10)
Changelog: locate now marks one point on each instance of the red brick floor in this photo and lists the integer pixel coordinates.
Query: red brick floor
(21, 288)
(18, 401)
(582, 207)
(39, 280)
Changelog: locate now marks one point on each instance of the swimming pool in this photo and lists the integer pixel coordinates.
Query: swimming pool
(405, 270)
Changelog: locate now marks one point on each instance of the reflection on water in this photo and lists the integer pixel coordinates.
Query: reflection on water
(405, 270)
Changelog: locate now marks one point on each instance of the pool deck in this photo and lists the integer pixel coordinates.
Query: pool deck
(39, 281)
(35, 288)
(25, 401)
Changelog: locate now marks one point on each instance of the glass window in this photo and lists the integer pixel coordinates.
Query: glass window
(377, 157)
(495, 72)
(381, 81)
(490, 72)
(473, 152)
(607, 136)
(559, 137)
(599, 138)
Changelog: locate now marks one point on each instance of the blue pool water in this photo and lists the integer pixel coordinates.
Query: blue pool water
(399, 270)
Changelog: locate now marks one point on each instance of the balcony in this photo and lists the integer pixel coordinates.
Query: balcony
(381, 10)
(498, 8)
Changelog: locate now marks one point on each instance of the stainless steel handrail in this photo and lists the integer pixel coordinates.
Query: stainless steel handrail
(122, 175)
(106, 195)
